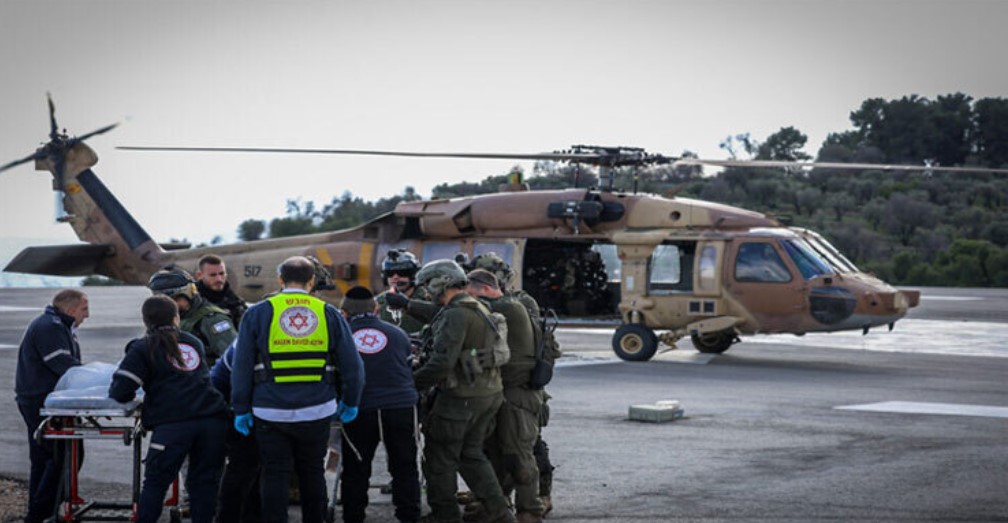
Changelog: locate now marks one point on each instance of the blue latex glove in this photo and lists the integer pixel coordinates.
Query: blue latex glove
(346, 413)
(243, 423)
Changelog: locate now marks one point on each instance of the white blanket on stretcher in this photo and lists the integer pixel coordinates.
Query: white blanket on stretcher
(86, 388)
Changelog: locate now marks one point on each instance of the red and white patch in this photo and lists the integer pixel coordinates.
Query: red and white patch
(370, 341)
(190, 356)
(298, 322)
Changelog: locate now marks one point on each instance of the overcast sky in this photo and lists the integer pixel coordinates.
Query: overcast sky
(470, 76)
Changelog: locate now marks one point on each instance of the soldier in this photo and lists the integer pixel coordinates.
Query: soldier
(494, 263)
(208, 322)
(212, 284)
(399, 269)
(469, 397)
(510, 446)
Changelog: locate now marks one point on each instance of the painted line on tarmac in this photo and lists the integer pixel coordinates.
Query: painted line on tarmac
(15, 308)
(584, 362)
(950, 298)
(945, 409)
(6, 346)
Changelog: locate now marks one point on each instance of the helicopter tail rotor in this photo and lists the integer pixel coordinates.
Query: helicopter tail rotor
(56, 150)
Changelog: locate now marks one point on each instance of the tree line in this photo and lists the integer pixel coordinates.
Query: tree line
(909, 228)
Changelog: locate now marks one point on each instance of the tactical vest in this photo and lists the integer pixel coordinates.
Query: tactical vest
(490, 355)
(298, 349)
(191, 321)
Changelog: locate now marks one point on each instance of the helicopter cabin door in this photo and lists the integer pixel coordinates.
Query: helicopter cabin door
(758, 274)
(670, 281)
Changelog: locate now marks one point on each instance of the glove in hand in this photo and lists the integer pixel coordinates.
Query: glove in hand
(396, 301)
(243, 423)
(346, 413)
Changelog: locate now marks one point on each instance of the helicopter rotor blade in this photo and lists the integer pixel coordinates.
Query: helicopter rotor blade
(96, 132)
(560, 157)
(587, 154)
(15, 163)
(53, 129)
(834, 165)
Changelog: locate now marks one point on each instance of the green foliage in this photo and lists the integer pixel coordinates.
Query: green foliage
(343, 212)
(251, 229)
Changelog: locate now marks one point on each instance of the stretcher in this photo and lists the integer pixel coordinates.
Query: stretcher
(76, 412)
(71, 427)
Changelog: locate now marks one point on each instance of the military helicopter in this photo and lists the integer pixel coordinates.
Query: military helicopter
(658, 268)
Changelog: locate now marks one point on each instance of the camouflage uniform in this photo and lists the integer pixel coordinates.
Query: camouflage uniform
(510, 446)
(211, 324)
(463, 412)
(414, 316)
(551, 349)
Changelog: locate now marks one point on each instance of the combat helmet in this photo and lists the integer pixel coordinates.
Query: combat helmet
(440, 275)
(323, 278)
(399, 261)
(491, 261)
(173, 282)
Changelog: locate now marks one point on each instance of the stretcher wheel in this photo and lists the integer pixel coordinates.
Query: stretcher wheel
(175, 515)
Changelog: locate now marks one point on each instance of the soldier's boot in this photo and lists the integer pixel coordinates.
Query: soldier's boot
(464, 497)
(528, 517)
(473, 512)
(547, 504)
(503, 515)
(429, 518)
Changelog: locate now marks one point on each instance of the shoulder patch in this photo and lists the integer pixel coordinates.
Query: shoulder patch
(190, 356)
(221, 326)
(370, 341)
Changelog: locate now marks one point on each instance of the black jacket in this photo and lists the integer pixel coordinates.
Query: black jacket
(171, 394)
(48, 349)
(225, 299)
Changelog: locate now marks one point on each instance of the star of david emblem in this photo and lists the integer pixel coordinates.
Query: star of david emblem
(370, 341)
(298, 321)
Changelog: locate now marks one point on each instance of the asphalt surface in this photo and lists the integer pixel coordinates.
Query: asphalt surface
(762, 439)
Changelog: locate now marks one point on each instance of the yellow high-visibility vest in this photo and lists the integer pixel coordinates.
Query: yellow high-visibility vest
(298, 338)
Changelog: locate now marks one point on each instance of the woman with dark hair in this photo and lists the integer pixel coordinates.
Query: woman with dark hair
(185, 414)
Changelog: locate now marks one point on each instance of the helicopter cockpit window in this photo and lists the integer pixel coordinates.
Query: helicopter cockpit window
(831, 254)
(808, 262)
(759, 262)
(439, 251)
(504, 250)
(670, 269)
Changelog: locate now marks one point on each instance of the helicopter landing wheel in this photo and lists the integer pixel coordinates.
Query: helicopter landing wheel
(634, 342)
(713, 342)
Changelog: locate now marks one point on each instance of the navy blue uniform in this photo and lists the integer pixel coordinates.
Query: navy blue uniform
(188, 417)
(48, 349)
(292, 419)
(387, 413)
(239, 500)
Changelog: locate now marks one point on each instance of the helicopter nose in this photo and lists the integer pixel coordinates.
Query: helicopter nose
(899, 300)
